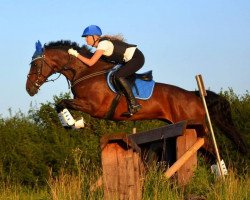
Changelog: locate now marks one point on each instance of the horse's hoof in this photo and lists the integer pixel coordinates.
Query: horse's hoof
(79, 124)
(127, 114)
(132, 110)
(67, 127)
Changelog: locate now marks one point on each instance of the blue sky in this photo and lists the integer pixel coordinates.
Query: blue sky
(179, 38)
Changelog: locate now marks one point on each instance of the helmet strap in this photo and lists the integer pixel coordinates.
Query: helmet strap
(95, 40)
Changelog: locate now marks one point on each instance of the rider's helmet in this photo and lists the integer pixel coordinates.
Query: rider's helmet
(92, 30)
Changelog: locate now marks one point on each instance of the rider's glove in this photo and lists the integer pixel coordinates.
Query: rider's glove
(73, 52)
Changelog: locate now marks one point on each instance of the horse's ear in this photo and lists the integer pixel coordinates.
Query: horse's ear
(39, 48)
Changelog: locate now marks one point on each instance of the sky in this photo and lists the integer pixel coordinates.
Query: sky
(179, 38)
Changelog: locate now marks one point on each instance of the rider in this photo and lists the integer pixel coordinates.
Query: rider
(117, 51)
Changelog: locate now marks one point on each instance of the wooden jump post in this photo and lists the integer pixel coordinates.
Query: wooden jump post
(123, 163)
(123, 169)
(203, 93)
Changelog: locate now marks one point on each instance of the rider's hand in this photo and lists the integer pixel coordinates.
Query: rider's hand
(73, 52)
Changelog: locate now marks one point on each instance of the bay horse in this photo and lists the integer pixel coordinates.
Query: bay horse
(93, 96)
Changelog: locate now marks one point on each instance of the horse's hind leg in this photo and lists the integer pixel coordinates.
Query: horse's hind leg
(220, 113)
(234, 135)
(208, 150)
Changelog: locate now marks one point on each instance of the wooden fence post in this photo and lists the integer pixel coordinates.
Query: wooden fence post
(123, 170)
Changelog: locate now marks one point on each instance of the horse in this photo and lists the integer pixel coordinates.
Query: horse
(93, 96)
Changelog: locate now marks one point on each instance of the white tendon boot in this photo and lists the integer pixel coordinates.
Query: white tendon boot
(79, 124)
(66, 118)
(215, 168)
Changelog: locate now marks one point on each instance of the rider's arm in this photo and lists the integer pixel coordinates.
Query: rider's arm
(91, 61)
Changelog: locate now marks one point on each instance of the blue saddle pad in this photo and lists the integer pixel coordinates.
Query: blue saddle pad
(144, 88)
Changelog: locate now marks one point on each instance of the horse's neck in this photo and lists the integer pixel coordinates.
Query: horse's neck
(75, 69)
(73, 72)
(98, 68)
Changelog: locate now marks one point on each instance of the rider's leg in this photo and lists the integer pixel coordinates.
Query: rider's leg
(128, 69)
(133, 105)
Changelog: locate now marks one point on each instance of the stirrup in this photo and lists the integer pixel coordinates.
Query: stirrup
(132, 110)
(135, 108)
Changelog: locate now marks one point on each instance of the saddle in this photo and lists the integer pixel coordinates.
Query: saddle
(142, 87)
(142, 84)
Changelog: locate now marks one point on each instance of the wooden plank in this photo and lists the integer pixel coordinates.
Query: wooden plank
(164, 132)
(176, 166)
(131, 175)
(183, 144)
(122, 174)
(139, 173)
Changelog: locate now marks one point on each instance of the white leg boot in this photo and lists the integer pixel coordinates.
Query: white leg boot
(66, 118)
(79, 124)
(215, 168)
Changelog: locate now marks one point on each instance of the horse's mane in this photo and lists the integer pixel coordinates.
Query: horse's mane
(67, 44)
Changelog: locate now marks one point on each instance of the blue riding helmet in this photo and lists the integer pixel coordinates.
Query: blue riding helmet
(92, 30)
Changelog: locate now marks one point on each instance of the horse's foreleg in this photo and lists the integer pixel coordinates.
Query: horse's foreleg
(74, 104)
(65, 116)
(208, 150)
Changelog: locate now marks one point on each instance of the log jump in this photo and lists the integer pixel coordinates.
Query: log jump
(124, 164)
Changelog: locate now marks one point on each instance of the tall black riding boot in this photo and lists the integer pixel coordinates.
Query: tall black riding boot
(133, 105)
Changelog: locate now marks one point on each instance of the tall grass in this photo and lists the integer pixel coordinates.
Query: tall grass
(203, 186)
(206, 185)
(156, 186)
(74, 186)
(19, 192)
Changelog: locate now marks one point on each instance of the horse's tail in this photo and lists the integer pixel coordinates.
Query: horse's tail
(221, 116)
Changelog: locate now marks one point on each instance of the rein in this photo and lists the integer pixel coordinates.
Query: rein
(89, 76)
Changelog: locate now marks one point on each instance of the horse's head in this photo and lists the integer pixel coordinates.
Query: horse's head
(37, 74)
(50, 59)
(54, 58)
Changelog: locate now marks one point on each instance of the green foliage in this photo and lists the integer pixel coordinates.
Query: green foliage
(240, 109)
(36, 147)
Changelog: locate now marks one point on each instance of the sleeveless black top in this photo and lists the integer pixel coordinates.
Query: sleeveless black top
(119, 50)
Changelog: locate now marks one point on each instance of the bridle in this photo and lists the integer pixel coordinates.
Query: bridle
(40, 79)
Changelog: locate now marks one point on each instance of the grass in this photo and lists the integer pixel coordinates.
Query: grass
(77, 187)
(209, 187)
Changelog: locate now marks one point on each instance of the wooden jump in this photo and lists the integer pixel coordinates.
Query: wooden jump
(124, 166)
